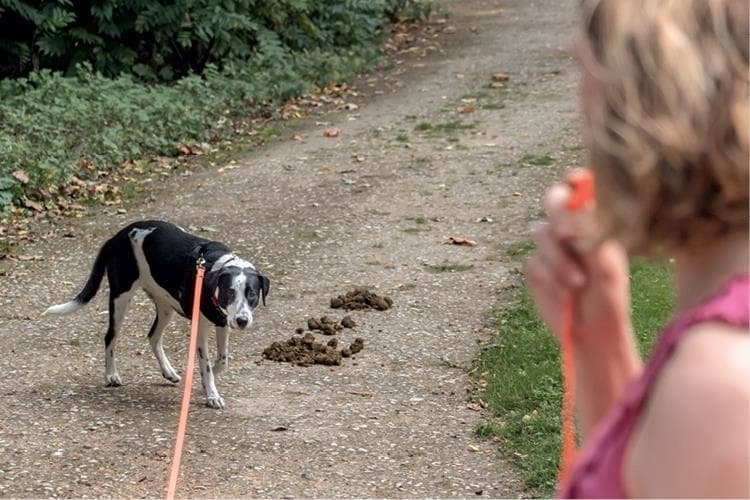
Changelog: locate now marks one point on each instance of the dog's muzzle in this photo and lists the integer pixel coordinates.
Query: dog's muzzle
(242, 322)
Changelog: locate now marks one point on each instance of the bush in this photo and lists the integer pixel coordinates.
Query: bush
(51, 123)
(168, 39)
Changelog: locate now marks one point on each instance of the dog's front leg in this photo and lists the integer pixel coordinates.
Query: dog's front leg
(213, 399)
(222, 349)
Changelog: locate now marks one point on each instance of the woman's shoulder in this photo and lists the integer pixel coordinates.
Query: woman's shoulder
(692, 440)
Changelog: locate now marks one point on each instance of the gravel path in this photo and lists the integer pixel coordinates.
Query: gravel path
(372, 207)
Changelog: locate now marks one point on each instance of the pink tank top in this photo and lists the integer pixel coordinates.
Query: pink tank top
(598, 471)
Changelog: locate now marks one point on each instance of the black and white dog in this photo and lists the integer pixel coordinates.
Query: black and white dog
(160, 258)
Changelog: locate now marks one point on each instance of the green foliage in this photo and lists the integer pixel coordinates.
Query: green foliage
(167, 39)
(521, 374)
(251, 55)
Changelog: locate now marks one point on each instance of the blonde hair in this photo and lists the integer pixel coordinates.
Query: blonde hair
(667, 120)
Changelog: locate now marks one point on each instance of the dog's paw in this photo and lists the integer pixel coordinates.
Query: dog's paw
(112, 380)
(172, 376)
(216, 402)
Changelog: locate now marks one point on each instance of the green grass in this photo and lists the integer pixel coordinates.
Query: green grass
(445, 129)
(543, 160)
(448, 268)
(520, 373)
(519, 251)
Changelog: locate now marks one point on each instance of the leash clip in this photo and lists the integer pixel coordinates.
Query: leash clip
(200, 262)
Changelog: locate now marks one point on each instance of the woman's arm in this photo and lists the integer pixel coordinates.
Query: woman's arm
(597, 278)
(694, 440)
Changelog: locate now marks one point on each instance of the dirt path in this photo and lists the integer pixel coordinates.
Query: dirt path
(372, 207)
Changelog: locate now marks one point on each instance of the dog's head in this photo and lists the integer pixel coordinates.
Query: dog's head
(238, 291)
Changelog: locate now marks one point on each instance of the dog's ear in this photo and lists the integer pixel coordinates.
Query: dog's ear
(265, 285)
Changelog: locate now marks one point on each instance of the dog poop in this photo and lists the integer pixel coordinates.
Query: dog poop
(303, 351)
(357, 345)
(354, 348)
(348, 322)
(361, 298)
(325, 325)
(306, 351)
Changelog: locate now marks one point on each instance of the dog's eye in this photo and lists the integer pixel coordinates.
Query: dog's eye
(250, 293)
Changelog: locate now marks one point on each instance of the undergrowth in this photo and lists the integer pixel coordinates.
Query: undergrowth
(54, 128)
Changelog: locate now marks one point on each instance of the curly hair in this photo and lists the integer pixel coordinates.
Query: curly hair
(666, 120)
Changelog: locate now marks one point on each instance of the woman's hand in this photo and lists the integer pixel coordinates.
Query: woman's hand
(568, 265)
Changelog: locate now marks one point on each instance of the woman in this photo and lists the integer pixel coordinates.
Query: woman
(664, 99)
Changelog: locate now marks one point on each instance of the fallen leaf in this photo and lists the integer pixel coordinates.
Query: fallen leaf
(186, 150)
(474, 406)
(21, 176)
(33, 205)
(466, 109)
(500, 77)
(332, 132)
(359, 158)
(298, 138)
(326, 168)
(27, 258)
(457, 240)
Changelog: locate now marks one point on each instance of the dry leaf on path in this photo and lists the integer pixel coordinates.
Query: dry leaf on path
(458, 240)
(27, 258)
(466, 109)
(298, 138)
(332, 132)
(33, 205)
(500, 77)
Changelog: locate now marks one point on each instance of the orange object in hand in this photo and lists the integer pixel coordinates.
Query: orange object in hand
(581, 183)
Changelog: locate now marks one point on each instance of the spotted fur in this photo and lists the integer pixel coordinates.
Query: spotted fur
(160, 258)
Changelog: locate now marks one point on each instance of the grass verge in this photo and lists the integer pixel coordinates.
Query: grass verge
(520, 375)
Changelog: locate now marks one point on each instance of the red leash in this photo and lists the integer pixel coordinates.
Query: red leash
(190, 366)
(581, 183)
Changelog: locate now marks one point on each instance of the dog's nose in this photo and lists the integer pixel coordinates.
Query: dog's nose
(242, 322)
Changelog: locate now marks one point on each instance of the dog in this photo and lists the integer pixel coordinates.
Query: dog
(160, 258)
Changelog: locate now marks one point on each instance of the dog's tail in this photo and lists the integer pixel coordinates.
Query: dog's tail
(89, 289)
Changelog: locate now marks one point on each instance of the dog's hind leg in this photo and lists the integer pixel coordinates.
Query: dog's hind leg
(213, 398)
(222, 349)
(117, 307)
(164, 314)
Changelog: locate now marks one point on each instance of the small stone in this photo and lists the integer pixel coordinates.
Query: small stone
(348, 322)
